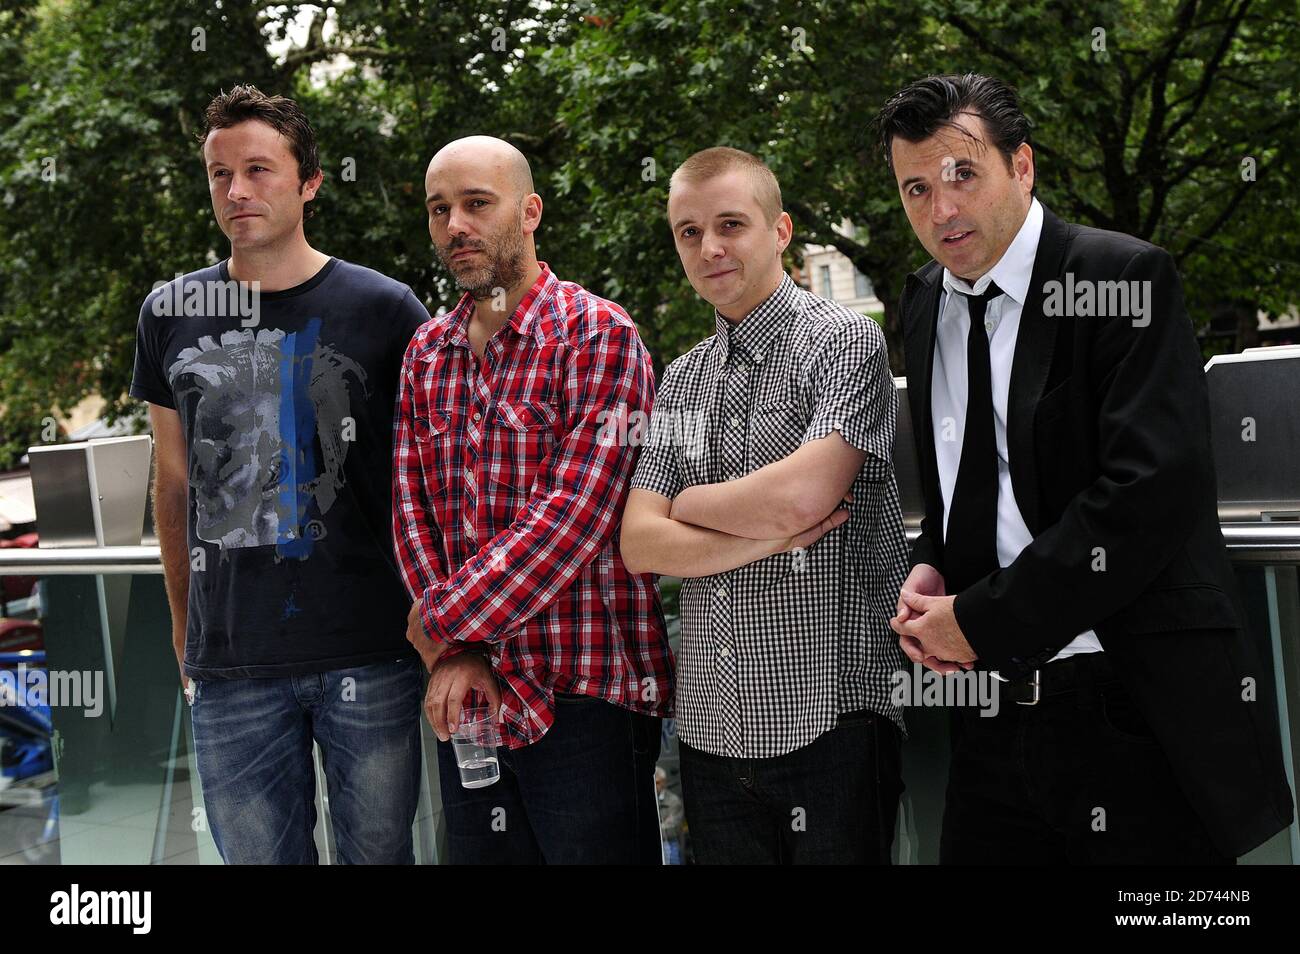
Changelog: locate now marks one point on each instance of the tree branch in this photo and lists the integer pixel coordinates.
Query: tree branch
(1225, 213)
(1211, 69)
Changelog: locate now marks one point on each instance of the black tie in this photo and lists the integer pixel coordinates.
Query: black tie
(970, 550)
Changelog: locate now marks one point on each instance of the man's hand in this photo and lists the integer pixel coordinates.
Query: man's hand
(447, 690)
(924, 579)
(819, 530)
(927, 581)
(930, 634)
(429, 649)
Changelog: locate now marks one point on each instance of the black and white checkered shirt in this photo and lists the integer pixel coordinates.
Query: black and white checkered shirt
(773, 652)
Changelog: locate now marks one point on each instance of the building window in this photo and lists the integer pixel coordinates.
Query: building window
(862, 285)
(825, 272)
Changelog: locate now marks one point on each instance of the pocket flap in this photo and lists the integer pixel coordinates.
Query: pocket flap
(1193, 606)
(426, 427)
(526, 415)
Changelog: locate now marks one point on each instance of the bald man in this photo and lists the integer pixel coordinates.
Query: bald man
(511, 470)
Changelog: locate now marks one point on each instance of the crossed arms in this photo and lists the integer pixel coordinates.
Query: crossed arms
(712, 528)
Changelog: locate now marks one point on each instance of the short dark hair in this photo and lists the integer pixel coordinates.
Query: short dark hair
(282, 114)
(917, 111)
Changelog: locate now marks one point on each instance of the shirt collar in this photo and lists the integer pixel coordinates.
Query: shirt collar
(1014, 269)
(523, 321)
(757, 330)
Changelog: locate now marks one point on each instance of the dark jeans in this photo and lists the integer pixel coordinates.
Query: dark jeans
(583, 794)
(834, 801)
(253, 742)
(1076, 779)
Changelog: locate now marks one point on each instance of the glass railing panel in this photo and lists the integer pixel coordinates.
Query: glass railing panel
(96, 754)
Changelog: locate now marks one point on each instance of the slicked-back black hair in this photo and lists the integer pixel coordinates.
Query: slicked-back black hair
(917, 111)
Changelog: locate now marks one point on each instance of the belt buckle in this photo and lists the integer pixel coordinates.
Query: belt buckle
(1036, 684)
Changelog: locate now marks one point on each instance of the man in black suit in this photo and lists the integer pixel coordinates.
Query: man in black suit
(1071, 542)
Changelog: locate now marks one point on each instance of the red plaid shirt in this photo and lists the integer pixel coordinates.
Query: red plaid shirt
(508, 490)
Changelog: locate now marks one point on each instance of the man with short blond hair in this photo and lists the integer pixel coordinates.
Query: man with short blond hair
(783, 518)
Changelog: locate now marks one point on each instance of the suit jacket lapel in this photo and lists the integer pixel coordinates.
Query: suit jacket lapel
(1035, 342)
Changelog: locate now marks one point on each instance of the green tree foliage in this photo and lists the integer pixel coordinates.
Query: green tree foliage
(1174, 120)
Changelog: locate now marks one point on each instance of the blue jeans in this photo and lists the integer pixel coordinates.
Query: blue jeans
(253, 744)
(582, 794)
(833, 801)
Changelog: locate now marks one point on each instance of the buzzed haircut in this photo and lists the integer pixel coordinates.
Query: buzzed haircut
(719, 160)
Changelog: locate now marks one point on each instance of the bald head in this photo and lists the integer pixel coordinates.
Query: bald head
(483, 213)
(497, 163)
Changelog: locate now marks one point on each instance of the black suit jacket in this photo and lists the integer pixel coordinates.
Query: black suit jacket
(1109, 442)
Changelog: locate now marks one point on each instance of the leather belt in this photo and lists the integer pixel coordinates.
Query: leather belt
(1064, 675)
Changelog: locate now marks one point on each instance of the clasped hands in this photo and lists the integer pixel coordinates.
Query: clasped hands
(927, 626)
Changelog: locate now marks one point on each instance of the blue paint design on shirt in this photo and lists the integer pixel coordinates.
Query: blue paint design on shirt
(298, 431)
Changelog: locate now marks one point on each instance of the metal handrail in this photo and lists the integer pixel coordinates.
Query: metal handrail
(1275, 543)
(1263, 542)
(53, 561)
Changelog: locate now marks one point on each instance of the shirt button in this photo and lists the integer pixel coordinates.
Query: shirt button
(725, 651)
(988, 326)
(477, 415)
(721, 591)
(734, 421)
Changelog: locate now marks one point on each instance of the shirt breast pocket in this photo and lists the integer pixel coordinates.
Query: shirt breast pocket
(433, 442)
(776, 428)
(521, 437)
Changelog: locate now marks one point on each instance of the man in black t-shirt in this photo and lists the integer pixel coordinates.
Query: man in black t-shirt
(271, 379)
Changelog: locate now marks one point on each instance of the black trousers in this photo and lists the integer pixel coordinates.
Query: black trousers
(1077, 779)
(582, 794)
(833, 801)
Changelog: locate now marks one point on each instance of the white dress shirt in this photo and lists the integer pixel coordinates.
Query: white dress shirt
(948, 387)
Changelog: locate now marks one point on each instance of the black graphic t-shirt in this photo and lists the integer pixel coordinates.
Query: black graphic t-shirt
(286, 401)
